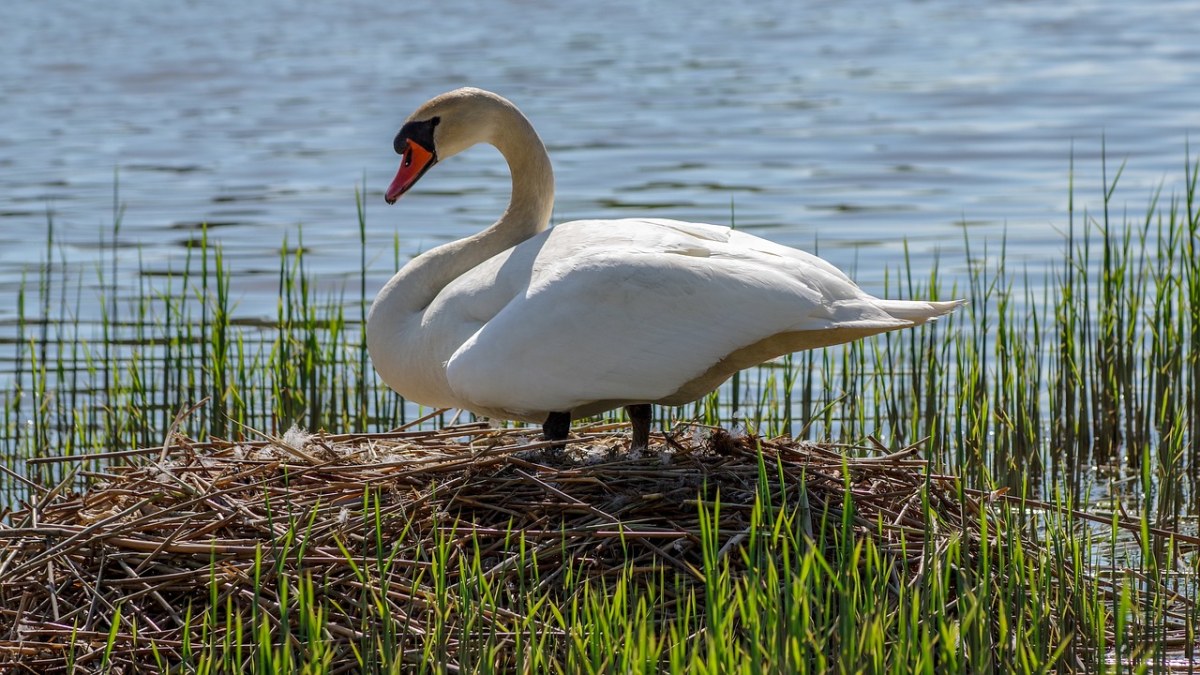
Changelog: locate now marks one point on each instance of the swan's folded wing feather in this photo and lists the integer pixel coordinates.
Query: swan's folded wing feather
(638, 322)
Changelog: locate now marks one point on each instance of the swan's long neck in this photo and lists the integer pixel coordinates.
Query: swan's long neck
(528, 213)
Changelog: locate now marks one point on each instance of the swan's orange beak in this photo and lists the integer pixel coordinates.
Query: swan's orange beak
(417, 160)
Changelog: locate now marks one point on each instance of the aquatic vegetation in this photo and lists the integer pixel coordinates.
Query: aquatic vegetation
(1068, 403)
(467, 548)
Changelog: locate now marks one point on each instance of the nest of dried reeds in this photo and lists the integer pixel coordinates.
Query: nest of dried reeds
(166, 531)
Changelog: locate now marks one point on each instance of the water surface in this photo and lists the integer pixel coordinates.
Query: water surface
(851, 128)
(854, 125)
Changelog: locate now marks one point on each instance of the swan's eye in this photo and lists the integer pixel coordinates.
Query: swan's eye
(408, 155)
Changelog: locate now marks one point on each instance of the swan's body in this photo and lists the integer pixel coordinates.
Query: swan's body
(526, 323)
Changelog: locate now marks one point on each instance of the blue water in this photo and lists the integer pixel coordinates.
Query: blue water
(853, 126)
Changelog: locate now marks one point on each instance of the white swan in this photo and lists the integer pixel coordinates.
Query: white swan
(544, 325)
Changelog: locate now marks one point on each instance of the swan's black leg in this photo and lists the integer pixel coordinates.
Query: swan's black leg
(639, 417)
(556, 428)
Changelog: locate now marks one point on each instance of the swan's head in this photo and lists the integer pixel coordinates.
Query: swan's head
(442, 127)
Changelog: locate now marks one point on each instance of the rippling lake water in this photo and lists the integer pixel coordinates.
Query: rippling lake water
(853, 127)
(879, 134)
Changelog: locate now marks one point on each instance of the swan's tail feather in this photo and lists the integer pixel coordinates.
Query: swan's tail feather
(918, 311)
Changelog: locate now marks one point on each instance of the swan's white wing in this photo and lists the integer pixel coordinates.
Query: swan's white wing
(632, 310)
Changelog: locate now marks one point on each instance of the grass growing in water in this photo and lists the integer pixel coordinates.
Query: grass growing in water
(461, 550)
(1025, 390)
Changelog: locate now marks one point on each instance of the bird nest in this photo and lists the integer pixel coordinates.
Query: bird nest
(163, 533)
